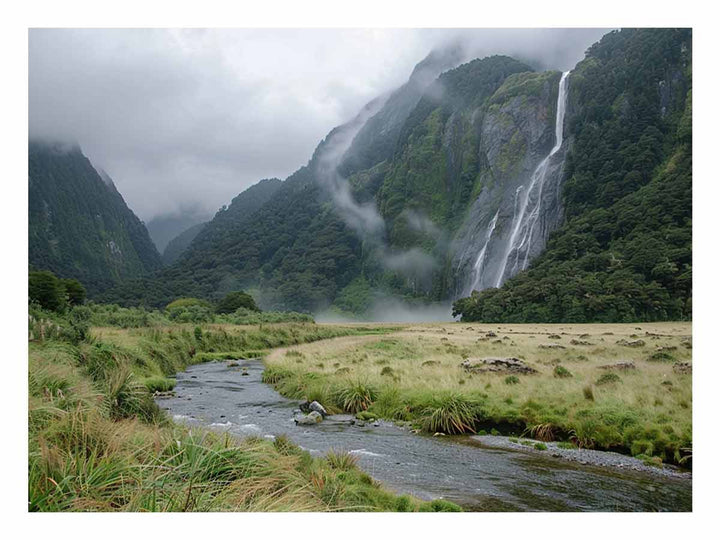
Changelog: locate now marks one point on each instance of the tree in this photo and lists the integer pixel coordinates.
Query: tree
(74, 290)
(236, 300)
(47, 290)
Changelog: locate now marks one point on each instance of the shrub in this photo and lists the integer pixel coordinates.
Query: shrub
(74, 291)
(661, 356)
(561, 373)
(588, 393)
(387, 370)
(236, 300)
(512, 379)
(608, 378)
(187, 302)
(540, 446)
(46, 290)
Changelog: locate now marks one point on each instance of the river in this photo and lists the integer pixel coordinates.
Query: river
(455, 468)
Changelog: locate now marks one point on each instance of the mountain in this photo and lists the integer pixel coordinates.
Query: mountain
(79, 224)
(624, 250)
(180, 243)
(476, 176)
(163, 229)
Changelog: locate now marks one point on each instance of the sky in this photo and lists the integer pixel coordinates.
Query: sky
(184, 120)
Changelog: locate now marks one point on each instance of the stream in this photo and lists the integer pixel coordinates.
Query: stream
(454, 468)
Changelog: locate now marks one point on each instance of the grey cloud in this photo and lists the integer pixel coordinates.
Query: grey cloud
(190, 118)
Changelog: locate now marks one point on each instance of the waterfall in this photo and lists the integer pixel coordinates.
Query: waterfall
(480, 260)
(526, 215)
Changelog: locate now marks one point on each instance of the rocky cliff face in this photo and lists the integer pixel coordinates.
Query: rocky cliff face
(516, 133)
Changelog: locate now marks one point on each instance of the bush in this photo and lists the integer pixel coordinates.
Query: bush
(236, 300)
(74, 290)
(512, 379)
(608, 378)
(561, 373)
(187, 302)
(46, 290)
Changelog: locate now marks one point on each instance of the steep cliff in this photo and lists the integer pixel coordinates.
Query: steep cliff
(624, 251)
(79, 224)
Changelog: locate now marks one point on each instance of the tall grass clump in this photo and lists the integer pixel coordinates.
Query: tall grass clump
(355, 396)
(450, 413)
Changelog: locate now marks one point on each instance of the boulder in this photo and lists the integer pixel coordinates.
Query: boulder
(309, 419)
(579, 342)
(634, 343)
(316, 407)
(307, 407)
(496, 365)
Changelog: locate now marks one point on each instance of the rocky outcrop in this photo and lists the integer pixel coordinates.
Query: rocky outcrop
(634, 343)
(496, 365)
(313, 406)
(516, 134)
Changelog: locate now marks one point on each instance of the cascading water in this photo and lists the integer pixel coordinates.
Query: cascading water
(480, 260)
(527, 213)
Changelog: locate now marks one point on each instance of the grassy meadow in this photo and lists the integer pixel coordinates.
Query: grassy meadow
(98, 442)
(414, 375)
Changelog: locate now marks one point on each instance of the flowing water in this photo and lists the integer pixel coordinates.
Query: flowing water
(454, 468)
(527, 212)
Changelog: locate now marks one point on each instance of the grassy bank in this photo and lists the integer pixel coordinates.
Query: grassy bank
(415, 375)
(98, 441)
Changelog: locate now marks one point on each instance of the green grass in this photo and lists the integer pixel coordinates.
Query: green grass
(416, 377)
(98, 442)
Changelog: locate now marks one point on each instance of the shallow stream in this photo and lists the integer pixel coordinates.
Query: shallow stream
(454, 468)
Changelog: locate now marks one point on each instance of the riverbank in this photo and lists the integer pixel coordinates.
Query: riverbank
(229, 396)
(583, 456)
(620, 387)
(98, 441)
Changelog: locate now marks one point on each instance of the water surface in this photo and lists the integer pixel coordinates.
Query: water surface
(454, 468)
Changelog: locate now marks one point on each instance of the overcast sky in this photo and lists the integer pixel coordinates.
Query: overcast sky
(184, 120)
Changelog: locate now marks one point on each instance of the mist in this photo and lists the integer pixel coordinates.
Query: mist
(190, 118)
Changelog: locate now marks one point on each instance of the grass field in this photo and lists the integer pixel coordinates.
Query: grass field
(98, 442)
(414, 375)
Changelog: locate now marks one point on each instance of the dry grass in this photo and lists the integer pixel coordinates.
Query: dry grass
(425, 358)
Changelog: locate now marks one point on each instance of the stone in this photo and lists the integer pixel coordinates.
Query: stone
(496, 365)
(309, 419)
(579, 342)
(315, 406)
(634, 343)
(551, 346)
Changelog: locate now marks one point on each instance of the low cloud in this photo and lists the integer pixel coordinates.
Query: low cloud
(190, 118)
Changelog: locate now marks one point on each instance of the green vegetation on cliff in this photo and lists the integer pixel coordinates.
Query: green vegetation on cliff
(625, 250)
(79, 225)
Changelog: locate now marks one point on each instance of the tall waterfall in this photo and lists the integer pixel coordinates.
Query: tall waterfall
(527, 209)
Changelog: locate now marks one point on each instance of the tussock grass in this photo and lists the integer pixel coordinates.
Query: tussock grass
(98, 442)
(425, 362)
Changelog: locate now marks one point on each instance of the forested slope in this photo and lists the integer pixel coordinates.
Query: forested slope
(79, 225)
(625, 250)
